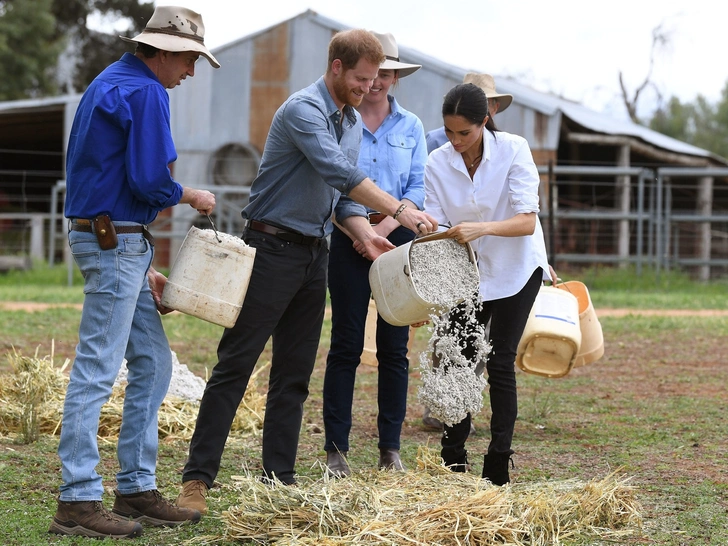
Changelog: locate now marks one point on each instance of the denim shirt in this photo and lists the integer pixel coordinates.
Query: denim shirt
(309, 160)
(394, 155)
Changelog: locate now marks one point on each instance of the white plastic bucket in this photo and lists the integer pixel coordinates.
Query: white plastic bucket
(396, 295)
(592, 338)
(552, 336)
(209, 279)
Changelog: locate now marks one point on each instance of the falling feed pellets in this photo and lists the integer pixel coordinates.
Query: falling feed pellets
(452, 385)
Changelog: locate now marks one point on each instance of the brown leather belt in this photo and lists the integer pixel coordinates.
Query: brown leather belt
(376, 218)
(285, 235)
(81, 224)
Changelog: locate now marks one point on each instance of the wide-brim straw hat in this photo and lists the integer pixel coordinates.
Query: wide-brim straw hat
(175, 29)
(391, 52)
(487, 84)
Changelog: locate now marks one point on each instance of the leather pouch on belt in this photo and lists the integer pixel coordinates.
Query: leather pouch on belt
(105, 232)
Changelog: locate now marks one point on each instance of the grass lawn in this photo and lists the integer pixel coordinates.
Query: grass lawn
(653, 407)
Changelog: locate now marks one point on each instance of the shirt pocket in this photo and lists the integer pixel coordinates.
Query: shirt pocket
(400, 148)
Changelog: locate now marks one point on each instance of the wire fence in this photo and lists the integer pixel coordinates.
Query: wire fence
(655, 219)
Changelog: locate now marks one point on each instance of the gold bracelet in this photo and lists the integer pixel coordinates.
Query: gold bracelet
(399, 211)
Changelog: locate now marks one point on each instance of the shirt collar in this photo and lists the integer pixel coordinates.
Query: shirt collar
(133, 60)
(329, 103)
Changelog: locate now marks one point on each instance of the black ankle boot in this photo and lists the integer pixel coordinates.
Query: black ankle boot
(495, 468)
(458, 465)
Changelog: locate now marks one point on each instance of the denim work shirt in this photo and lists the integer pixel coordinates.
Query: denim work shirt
(394, 155)
(120, 147)
(309, 160)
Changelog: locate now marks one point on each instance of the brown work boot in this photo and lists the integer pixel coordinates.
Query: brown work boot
(91, 519)
(389, 460)
(193, 495)
(152, 508)
(336, 464)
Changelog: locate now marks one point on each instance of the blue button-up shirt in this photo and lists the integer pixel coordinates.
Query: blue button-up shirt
(394, 155)
(120, 147)
(309, 160)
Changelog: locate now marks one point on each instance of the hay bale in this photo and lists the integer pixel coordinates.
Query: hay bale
(32, 397)
(34, 389)
(429, 505)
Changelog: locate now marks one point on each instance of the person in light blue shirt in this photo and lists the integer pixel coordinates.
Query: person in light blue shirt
(308, 163)
(117, 180)
(393, 154)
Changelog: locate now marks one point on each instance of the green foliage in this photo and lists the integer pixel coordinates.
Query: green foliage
(29, 49)
(700, 123)
(34, 33)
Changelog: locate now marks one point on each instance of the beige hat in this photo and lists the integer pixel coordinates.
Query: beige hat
(391, 52)
(487, 84)
(175, 29)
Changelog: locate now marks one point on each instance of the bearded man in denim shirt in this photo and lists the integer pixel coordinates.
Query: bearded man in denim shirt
(309, 161)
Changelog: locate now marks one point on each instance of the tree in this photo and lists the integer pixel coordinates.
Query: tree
(660, 38)
(93, 50)
(34, 33)
(29, 49)
(698, 123)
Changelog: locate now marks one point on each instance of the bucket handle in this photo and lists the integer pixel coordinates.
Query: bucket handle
(214, 229)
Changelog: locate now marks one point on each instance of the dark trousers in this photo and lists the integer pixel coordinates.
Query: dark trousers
(507, 318)
(286, 299)
(350, 294)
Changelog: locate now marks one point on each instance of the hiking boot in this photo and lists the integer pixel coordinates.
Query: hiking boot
(389, 460)
(91, 519)
(193, 495)
(152, 508)
(336, 464)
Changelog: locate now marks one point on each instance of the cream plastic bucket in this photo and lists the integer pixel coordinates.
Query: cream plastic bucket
(209, 279)
(552, 336)
(396, 295)
(592, 338)
(369, 354)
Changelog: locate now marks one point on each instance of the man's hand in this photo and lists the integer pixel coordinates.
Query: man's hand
(418, 221)
(374, 247)
(156, 284)
(202, 200)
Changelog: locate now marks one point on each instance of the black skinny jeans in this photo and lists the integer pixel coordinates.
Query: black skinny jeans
(507, 318)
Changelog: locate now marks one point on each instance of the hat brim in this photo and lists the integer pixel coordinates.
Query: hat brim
(175, 44)
(503, 100)
(405, 69)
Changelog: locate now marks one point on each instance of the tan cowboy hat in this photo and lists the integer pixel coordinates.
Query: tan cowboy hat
(391, 52)
(487, 84)
(175, 29)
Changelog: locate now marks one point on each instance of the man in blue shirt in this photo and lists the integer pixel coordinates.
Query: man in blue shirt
(117, 180)
(309, 161)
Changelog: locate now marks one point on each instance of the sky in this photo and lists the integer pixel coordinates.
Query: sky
(574, 49)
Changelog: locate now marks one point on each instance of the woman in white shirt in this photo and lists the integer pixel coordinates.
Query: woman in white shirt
(484, 183)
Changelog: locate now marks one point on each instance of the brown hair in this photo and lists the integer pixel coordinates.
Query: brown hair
(351, 45)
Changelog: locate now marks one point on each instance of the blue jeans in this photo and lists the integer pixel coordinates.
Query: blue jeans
(350, 293)
(119, 320)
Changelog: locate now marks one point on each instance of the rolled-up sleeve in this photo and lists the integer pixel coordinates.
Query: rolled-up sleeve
(523, 182)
